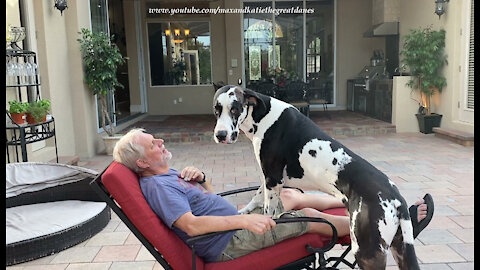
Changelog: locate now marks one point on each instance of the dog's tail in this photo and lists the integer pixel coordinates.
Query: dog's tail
(402, 244)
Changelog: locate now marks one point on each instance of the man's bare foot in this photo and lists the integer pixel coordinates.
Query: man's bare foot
(421, 210)
(421, 214)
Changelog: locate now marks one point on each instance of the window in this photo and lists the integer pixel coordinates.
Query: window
(290, 46)
(180, 53)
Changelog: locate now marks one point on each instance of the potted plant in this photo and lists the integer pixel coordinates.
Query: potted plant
(17, 111)
(423, 53)
(37, 111)
(101, 59)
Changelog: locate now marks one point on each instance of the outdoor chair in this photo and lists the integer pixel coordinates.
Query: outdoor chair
(296, 93)
(267, 88)
(319, 93)
(49, 207)
(119, 187)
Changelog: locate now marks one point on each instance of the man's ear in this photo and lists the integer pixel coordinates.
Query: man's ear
(141, 163)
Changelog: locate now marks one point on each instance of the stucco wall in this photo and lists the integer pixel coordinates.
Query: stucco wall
(404, 106)
(353, 50)
(414, 14)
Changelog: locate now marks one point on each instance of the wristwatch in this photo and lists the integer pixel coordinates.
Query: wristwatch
(203, 180)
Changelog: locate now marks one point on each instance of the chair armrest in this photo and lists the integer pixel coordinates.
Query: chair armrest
(240, 190)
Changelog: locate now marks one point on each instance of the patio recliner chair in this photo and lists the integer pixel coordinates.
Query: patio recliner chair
(119, 187)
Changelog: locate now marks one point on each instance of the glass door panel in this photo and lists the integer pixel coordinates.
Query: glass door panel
(99, 20)
(320, 50)
(289, 44)
(258, 41)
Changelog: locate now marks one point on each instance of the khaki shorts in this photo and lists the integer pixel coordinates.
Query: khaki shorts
(245, 241)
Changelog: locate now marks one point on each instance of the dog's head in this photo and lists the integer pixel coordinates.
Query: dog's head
(231, 108)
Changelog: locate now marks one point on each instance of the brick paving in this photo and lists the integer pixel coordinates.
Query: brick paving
(195, 128)
(416, 162)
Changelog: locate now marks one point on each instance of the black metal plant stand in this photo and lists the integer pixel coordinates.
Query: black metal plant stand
(19, 135)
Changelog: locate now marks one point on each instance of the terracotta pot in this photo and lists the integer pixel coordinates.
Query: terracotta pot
(31, 120)
(18, 118)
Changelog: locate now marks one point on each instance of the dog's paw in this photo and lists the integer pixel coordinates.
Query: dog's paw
(243, 211)
(269, 211)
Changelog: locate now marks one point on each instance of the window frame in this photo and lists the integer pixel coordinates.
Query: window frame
(174, 20)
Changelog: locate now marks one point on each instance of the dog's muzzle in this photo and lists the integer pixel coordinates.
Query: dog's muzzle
(222, 136)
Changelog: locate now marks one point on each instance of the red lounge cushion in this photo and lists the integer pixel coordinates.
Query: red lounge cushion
(123, 185)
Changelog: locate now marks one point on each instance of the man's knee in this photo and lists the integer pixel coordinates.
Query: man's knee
(290, 197)
(311, 212)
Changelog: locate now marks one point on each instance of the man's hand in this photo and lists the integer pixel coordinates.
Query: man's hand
(191, 173)
(259, 224)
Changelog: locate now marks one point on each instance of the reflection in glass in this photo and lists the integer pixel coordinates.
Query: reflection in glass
(319, 50)
(258, 41)
(179, 53)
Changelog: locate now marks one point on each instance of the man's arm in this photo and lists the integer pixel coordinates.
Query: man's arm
(197, 225)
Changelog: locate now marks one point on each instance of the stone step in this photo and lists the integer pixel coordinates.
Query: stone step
(349, 131)
(68, 160)
(457, 136)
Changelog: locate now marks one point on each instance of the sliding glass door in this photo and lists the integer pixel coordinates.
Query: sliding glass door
(289, 45)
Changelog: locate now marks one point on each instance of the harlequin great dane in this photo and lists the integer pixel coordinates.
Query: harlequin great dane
(293, 150)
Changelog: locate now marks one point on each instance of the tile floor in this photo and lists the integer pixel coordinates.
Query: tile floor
(416, 162)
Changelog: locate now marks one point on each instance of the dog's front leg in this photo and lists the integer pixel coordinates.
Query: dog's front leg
(271, 199)
(256, 201)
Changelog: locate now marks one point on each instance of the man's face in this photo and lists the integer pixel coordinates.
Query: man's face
(155, 153)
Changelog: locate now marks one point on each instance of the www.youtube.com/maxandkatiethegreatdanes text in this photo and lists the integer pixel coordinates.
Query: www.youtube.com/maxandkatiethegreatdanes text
(218, 10)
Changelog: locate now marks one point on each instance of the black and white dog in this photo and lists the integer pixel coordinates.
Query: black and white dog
(294, 151)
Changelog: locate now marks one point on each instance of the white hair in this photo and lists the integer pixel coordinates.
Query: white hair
(127, 150)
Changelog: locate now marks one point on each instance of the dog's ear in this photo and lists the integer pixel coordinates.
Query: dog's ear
(218, 85)
(252, 98)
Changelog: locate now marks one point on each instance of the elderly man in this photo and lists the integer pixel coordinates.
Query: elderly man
(186, 203)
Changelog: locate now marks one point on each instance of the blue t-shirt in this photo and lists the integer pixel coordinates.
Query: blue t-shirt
(170, 197)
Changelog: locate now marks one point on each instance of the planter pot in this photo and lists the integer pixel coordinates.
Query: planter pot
(110, 143)
(426, 123)
(18, 118)
(31, 120)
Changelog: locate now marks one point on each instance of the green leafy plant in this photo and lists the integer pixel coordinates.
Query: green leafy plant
(423, 53)
(101, 59)
(17, 107)
(39, 109)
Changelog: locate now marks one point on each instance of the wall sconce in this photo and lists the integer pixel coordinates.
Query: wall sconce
(187, 32)
(168, 32)
(440, 7)
(60, 5)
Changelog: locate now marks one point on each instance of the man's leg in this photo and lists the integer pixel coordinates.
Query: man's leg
(293, 199)
(341, 223)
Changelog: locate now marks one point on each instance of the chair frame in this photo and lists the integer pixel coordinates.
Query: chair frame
(289, 99)
(303, 263)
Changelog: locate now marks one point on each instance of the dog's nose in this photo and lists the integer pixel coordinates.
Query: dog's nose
(221, 135)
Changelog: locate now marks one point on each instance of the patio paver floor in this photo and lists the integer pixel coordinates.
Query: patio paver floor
(418, 163)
